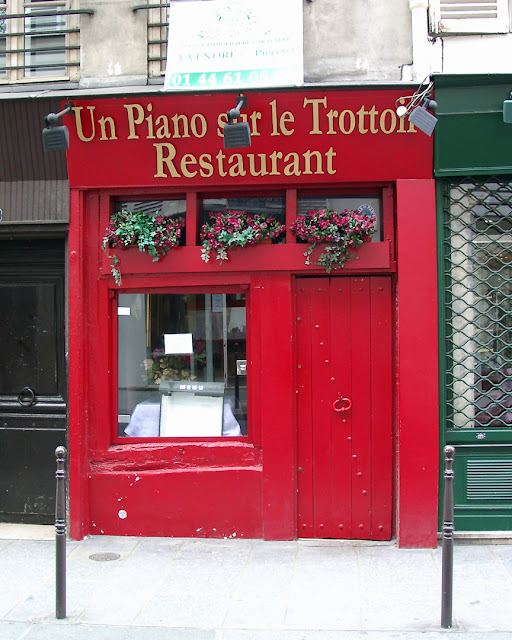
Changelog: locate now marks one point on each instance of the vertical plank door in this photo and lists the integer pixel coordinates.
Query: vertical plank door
(344, 411)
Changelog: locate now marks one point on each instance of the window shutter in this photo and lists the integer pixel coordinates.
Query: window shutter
(468, 16)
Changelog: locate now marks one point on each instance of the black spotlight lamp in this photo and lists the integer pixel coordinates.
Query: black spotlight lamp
(421, 118)
(417, 108)
(237, 134)
(56, 138)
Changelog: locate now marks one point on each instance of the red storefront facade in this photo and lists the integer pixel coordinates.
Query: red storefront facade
(366, 333)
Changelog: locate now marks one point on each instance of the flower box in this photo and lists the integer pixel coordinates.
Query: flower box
(337, 234)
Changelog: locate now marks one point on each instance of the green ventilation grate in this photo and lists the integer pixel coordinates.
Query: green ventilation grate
(477, 226)
(489, 480)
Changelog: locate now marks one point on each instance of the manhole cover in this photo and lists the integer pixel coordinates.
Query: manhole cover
(104, 557)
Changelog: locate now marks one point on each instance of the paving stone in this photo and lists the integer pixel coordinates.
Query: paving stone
(95, 632)
(188, 589)
(13, 630)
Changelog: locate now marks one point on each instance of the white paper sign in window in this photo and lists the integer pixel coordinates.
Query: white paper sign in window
(178, 343)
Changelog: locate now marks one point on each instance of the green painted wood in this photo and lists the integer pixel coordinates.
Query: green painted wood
(483, 488)
(471, 137)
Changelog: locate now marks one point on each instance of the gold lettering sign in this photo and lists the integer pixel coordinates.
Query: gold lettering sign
(169, 133)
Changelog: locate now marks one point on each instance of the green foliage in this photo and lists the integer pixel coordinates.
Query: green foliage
(152, 234)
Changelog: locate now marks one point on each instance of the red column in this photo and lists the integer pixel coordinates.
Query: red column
(276, 404)
(417, 365)
(77, 458)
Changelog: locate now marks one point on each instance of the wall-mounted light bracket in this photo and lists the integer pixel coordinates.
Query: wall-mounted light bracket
(237, 134)
(56, 138)
(422, 119)
(416, 108)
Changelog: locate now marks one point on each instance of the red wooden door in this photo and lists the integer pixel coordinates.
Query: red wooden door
(344, 411)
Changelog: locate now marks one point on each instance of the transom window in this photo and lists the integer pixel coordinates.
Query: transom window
(271, 206)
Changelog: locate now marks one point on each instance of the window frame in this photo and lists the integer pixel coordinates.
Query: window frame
(17, 38)
(118, 440)
(441, 25)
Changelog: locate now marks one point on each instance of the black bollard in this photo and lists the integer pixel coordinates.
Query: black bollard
(60, 534)
(448, 528)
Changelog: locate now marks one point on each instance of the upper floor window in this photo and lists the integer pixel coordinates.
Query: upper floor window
(158, 25)
(38, 40)
(468, 16)
(157, 37)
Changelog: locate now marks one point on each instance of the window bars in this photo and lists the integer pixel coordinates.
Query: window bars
(39, 40)
(157, 34)
(477, 228)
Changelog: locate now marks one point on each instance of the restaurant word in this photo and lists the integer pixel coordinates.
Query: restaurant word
(318, 119)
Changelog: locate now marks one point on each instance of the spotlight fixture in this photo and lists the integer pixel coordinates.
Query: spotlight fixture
(56, 137)
(507, 110)
(401, 111)
(417, 107)
(237, 134)
(422, 119)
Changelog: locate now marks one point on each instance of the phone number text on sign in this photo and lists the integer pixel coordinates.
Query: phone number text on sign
(230, 79)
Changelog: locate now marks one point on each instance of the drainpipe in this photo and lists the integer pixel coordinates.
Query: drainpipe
(421, 46)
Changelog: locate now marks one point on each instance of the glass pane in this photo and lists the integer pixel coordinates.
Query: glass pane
(182, 365)
(46, 42)
(166, 208)
(365, 204)
(172, 208)
(28, 340)
(274, 207)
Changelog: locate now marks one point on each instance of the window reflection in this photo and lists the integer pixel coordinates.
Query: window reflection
(182, 365)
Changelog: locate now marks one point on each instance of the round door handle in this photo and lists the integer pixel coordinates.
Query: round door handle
(342, 404)
(26, 397)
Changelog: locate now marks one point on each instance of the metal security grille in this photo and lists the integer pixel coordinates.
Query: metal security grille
(477, 227)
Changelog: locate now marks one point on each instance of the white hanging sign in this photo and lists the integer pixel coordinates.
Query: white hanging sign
(234, 44)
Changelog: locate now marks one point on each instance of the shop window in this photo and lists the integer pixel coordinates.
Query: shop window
(182, 365)
(478, 293)
(365, 204)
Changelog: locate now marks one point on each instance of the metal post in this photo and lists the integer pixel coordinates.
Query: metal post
(60, 534)
(448, 528)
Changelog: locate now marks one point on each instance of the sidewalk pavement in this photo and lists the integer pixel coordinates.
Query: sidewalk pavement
(202, 589)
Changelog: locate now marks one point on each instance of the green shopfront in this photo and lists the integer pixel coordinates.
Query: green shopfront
(473, 169)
